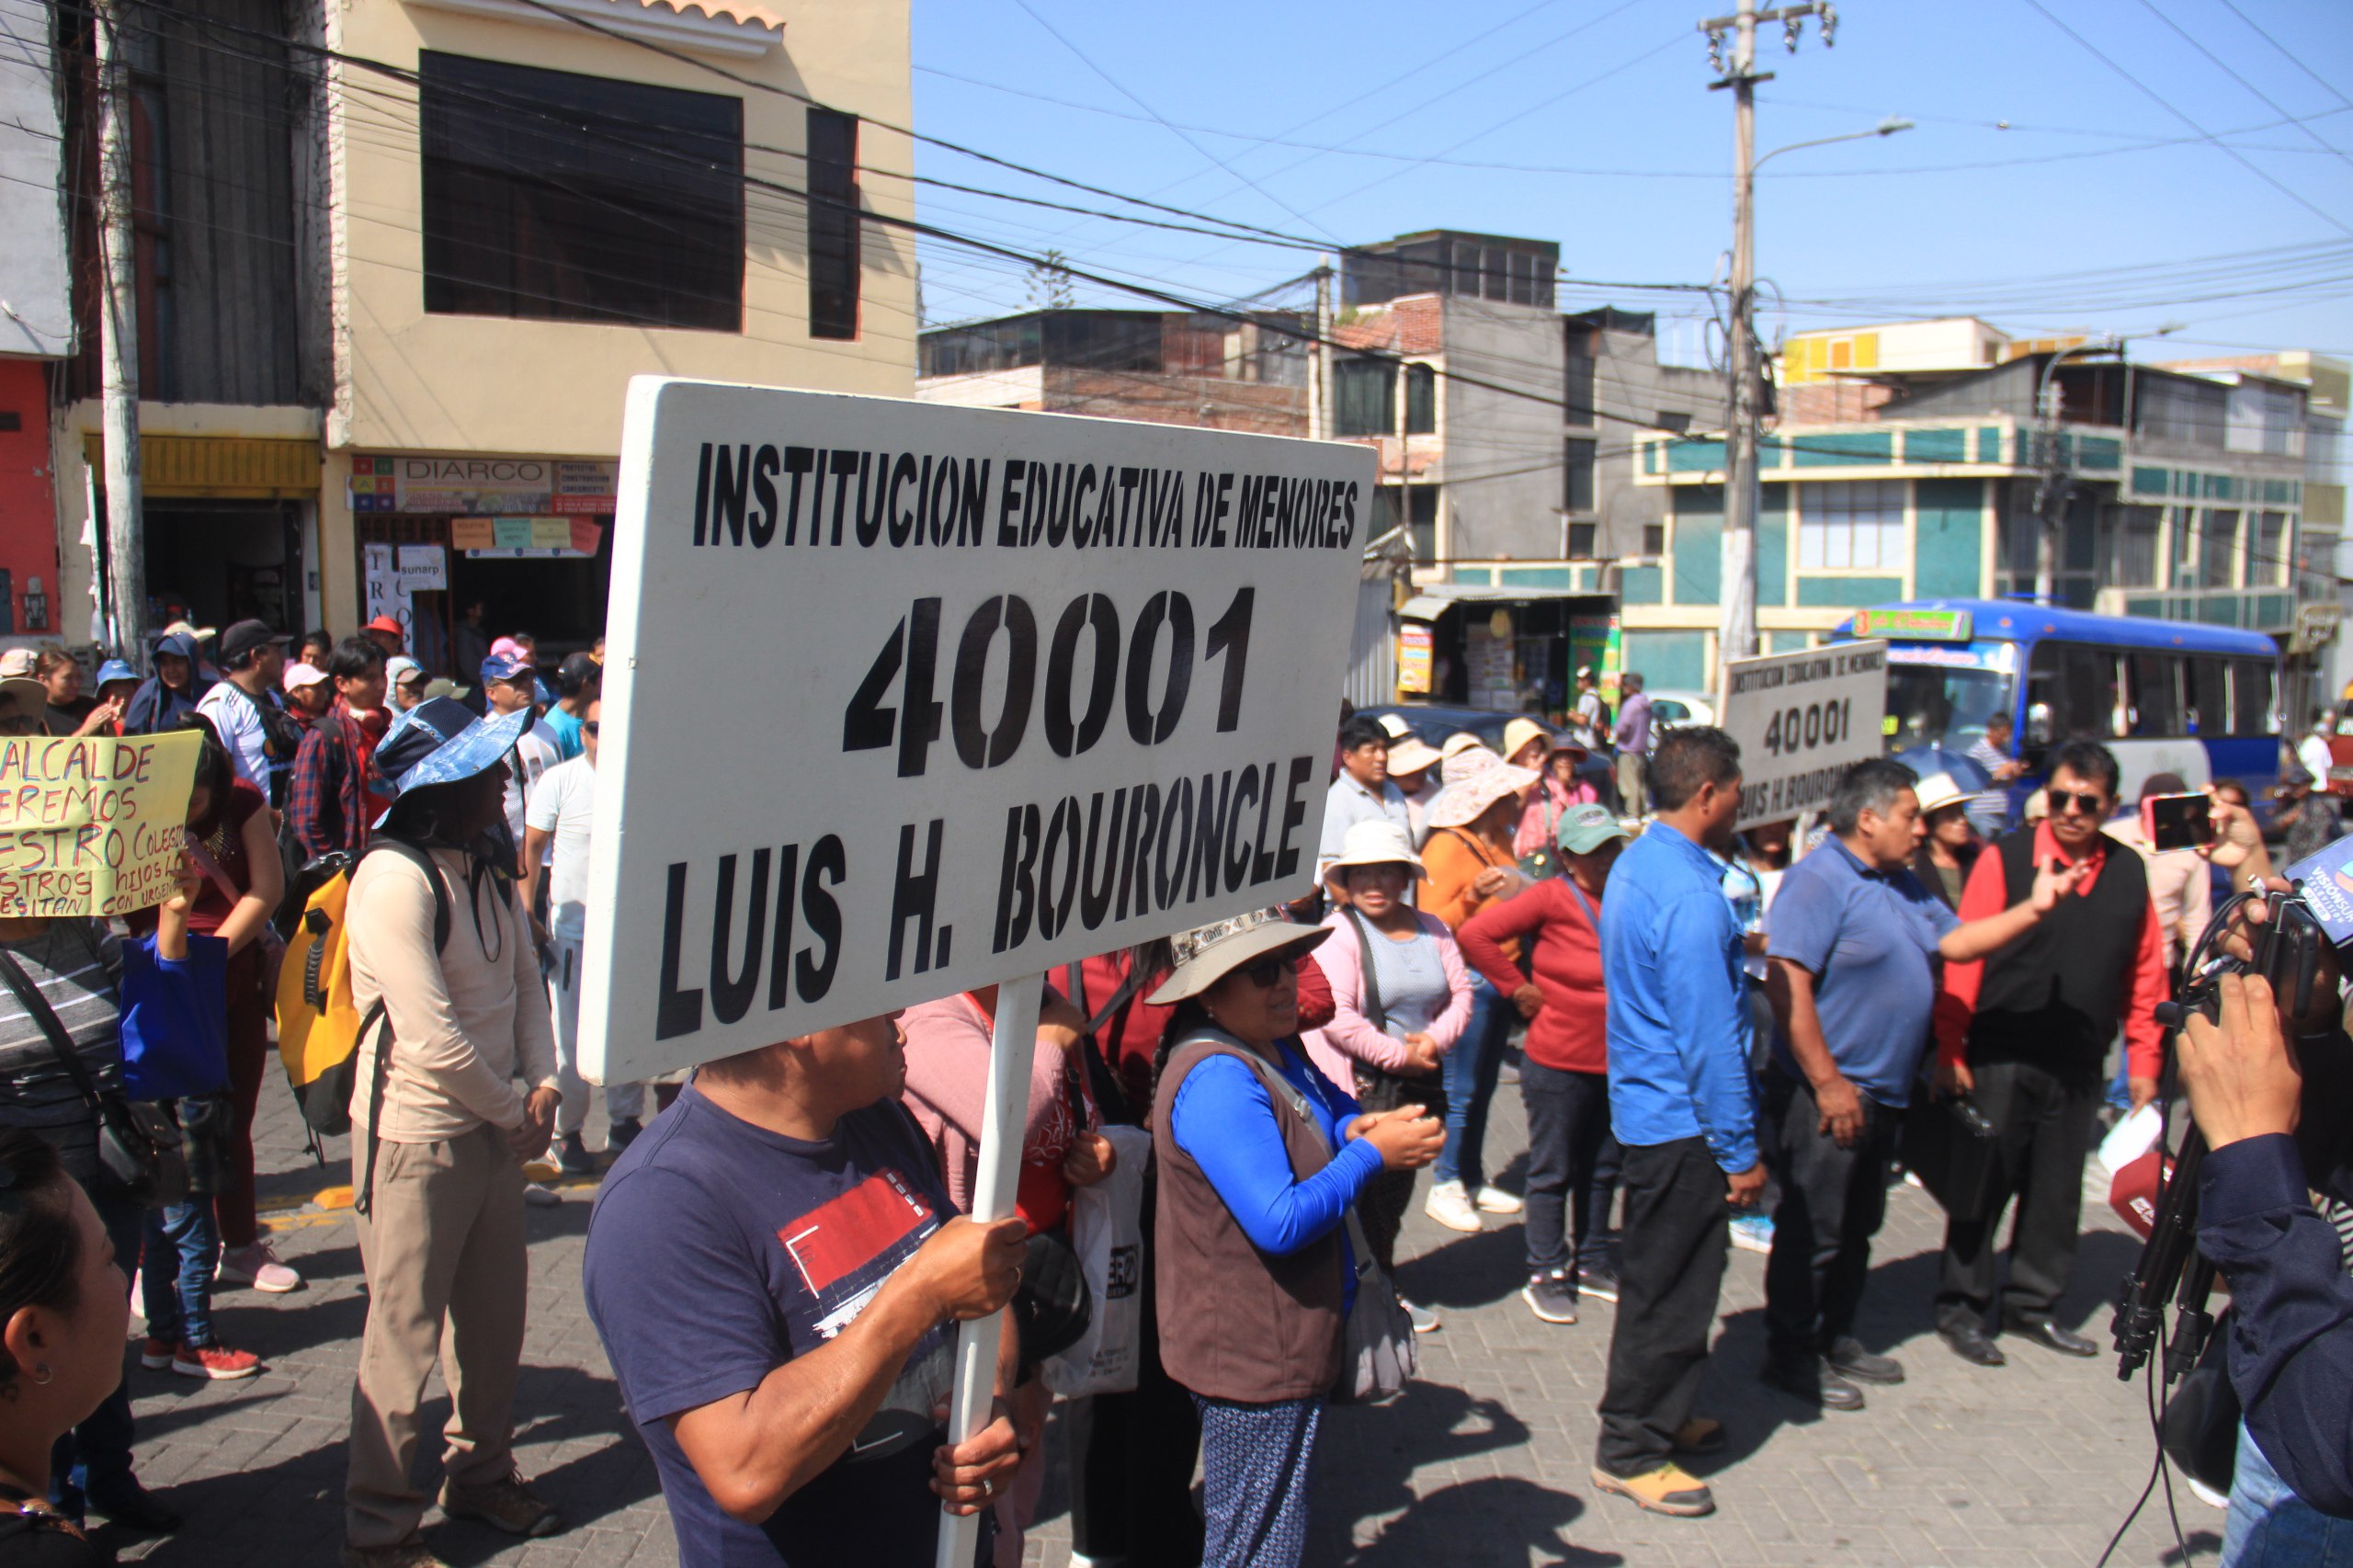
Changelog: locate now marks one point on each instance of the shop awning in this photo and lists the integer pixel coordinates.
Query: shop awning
(1436, 598)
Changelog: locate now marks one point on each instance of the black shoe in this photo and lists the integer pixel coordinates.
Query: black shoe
(1598, 1280)
(2050, 1336)
(1849, 1360)
(135, 1508)
(1972, 1344)
(622, 1133)
(575, 1159)
(1807, 1379)
(1551, 1296)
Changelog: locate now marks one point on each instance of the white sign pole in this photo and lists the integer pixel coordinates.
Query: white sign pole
(1011, 1045)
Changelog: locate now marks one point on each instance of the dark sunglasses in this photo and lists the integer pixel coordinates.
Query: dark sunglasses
(589, 727)
(1265, 971)
(2090, 805)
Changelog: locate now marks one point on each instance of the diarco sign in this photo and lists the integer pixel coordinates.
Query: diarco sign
(901, 699)
(1801, 718)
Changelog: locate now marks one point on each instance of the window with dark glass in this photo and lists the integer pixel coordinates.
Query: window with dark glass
(1421, 401)
(1581, 540)
(2210, 697)
(833, 225)
(1653, 539)
(1576, 474)
(1364, 398)
(2156, 695)
(1577, 378)
(551, 196)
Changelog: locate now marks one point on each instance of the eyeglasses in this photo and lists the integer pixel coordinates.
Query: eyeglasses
(1265, 971)
(588, 727)
(2089, 804)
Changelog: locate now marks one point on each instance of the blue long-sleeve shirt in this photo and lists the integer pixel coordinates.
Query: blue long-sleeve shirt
(1678, 1011)
(1224, 1118)
(2292, 1337)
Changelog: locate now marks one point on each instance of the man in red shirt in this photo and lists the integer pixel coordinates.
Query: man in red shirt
(329, 804)
(2024, 1033)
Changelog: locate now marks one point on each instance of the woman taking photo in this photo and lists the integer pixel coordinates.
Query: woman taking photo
(64, 1307)
(1254, 1268)
(1469, 863)
(1572, 1158)
(1401, 997)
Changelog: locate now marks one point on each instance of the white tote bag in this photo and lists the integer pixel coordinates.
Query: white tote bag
(1106, 1232)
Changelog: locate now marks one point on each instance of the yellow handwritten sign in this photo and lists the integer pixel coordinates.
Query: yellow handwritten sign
(92, 826)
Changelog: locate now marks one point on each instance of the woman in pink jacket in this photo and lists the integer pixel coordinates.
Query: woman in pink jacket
(1401, 997)
(1558, 793)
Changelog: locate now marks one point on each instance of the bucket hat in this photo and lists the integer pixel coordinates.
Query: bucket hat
(1207, 954)
(1377, 841)
(1520, 732)
(1410, 754)
(114, 670)
(1587, 828)
(441, 742)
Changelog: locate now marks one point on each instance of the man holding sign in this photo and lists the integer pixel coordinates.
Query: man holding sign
(1054, 687)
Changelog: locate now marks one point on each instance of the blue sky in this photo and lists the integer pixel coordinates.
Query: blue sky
(2094, 176)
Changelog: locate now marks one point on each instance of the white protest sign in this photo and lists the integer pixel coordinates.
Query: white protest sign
(902, 698)
(1799, 719)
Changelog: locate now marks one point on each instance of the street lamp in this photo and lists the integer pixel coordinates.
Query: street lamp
(2050, 498)
(1736, 627)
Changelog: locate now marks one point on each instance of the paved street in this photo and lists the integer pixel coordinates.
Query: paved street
(1483, 1461)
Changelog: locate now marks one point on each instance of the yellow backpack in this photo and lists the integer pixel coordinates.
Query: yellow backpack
(319, 1026)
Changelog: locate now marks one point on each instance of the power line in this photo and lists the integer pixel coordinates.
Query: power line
(2294, 58)
(2268, 102)
(1124, 91)
(2162, 102)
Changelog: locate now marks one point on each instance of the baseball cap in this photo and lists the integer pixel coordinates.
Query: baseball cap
(245, 636)
(385, 623)
(1585, 829)
(507, 648)
(19, 662)
(114, 670)
(300, 675)
(400, 667)
(510, 667)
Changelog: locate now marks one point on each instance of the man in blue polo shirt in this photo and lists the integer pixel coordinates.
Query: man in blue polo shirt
(1852, 943)
(1682, 1103)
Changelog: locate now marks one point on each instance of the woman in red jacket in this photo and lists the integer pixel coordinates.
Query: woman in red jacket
(1564, 1074)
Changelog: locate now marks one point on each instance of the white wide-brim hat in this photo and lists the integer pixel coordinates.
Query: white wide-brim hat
(1377, 841)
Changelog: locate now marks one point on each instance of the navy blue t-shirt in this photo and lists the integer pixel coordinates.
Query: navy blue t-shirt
(1869, 939)
(718, 1252)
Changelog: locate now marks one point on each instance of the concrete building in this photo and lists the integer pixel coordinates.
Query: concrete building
(36, 336)
(1162, 366)
(392, 299)
(1907, 461)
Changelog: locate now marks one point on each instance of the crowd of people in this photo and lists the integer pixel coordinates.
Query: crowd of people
(1719, 1036)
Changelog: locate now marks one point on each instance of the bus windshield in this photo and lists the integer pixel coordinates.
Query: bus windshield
(1940, 704)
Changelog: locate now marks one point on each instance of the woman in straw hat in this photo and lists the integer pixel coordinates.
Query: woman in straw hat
(1260, 1157)
(1469, 862)
(1401, 997)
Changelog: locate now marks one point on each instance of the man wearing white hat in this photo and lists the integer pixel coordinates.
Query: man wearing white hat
(1411, 763)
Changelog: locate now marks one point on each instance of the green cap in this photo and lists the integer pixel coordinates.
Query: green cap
(1586, 829)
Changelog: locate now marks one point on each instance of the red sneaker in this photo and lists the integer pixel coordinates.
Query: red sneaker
(156, 1354)
(217, 1361)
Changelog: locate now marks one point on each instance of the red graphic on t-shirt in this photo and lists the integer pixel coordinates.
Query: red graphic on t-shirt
(846, 1233)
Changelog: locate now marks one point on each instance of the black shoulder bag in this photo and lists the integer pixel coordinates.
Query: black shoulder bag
(139, 1158)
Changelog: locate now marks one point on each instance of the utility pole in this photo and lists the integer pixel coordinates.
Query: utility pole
(118, 344)
(1319, 357)
(1736, 627)
(2050, 496)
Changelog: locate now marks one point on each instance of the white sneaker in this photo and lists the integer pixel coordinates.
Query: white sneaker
(1495, 1200)
(1450, 1206)
(1423, 1320)
(257, 1265)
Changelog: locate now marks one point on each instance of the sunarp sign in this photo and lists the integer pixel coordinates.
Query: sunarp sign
(901, 699)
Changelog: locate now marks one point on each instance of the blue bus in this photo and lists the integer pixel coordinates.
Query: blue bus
(2164, 696)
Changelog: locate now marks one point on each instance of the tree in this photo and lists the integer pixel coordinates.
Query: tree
(1050, 283)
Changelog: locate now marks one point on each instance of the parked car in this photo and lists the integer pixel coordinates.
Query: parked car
(1435, 722)
(1671, 710)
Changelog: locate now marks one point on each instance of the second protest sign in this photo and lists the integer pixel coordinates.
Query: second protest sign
(1802, 718)
(901, 699)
